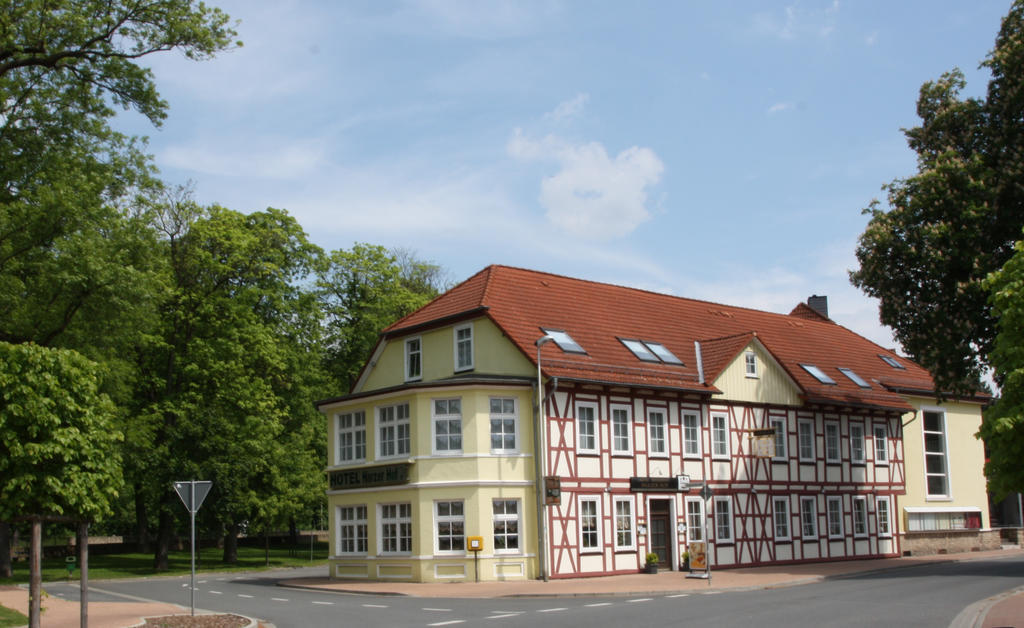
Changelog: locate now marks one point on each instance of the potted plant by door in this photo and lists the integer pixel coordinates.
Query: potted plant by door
(684, 561)
(652, 563)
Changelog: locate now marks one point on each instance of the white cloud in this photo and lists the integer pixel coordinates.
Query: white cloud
(263, 158)
(797, 22)
(592, 195)
(779, 107)
(568, 109)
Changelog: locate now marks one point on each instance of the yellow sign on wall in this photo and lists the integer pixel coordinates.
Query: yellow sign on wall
(475, 543)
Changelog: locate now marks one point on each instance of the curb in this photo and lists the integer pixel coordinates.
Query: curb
(253, 623)
(974, 615)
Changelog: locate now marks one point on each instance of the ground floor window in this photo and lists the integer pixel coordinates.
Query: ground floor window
(694, 519)
(835, 517)
(882, 511)
(780, 511)
(954, 520)
(723, 519)
(590, 524)
(808, 518)
(860, 516)
(624, 523)
(395, 528)
(450, 520)
(506, 525)
(352, 529)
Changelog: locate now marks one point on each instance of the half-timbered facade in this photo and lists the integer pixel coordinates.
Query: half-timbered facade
(662, 421)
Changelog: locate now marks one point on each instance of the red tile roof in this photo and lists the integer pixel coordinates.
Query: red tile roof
(522, 302)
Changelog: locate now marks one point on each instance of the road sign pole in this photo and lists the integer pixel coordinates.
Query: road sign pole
(192, 517)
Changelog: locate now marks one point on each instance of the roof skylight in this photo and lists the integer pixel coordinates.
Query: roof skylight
(640, 350)
(662, 352)
(818, 374)
(856, 379)
(891, 361)
(563, 340)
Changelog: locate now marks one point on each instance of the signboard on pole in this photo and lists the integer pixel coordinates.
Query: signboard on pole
(187, 495)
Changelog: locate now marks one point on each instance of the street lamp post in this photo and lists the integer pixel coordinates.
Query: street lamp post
(539, 453)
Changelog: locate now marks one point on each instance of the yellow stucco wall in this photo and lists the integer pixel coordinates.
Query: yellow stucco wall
(475, 476)
(965, 455)
(772, 384)
(493, 354)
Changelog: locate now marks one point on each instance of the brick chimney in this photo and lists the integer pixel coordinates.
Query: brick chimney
(819, 304)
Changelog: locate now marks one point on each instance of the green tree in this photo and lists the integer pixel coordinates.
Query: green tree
(363, 291)
(1003, 426)
(229, 375)
(926, 255)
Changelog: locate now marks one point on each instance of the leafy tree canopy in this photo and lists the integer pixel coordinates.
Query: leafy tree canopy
(1003, 427)
(58, 446)
(926, 255)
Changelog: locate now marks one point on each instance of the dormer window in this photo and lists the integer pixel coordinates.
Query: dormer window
(891, 361)
(856, 379)
(818, 374)
(750, 363)
(563, 340)
(649, 351)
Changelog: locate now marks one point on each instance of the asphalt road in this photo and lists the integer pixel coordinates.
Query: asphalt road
(930, 595)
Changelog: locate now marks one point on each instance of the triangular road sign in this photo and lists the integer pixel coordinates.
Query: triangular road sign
(184, 490)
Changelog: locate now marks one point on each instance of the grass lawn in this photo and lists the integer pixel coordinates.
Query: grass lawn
(107, 566)
(10, 618)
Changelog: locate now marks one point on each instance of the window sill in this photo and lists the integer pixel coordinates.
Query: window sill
(588, 454)
(859, 464)
(625, 550)
(783, 541)
(464, 369)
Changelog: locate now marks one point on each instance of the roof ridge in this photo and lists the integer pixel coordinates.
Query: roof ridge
(730, 336)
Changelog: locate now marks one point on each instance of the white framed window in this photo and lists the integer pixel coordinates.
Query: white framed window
(691, 434)
(590, 523)
(921, 519)
(834, 516)
(622, 430)
(808, 518)
(750, 364)
(463, 337)
(393, 431)
(853, 377)
(640, 350)
(447, 422)
(831, 442)
(778, 424)
(881, 438)
(805, 439)
(504, 425)
(351, 438)
(413, 359)
(449, 527)
(662, 352)
(882, 512)
(563, 340)
(352, 529)
(719, 435)
(860, 516)
(395, 532)
(624, 523)
(586, 427)
(857, 443)
(780, 517)
(505, 519)
(818, 374)
(723, 519)
(936, 467)
(657, 439)
(694, 519)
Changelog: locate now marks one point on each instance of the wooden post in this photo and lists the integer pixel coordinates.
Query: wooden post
(35, 581)
(83, 565)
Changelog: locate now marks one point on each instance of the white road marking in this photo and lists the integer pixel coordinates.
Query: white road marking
(678, 595)
(449, 623)
(503, 616)
(202, 582)
(711, 593)
(245, 596)
(598, 604)
(551, 610)
(216, 592)
(507, 612)
(374, 606)
(440, 610)
(640, 599)
(279, 599)
(324, 603)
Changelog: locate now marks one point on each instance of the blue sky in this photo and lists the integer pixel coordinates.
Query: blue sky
(713, 150)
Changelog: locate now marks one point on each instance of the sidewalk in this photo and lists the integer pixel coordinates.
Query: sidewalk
(58, 613)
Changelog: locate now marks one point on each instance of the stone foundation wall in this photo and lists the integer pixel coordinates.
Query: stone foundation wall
(1013, 535)
(950, 542)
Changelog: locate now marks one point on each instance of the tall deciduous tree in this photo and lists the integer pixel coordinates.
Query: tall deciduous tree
(230, 373)
(1003, 427)
(363, 291)
(926, 255)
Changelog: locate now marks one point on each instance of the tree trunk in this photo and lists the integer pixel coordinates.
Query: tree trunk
(35, 578)
(83, 566)
(293, 532)
(141, 521)
(5, 550)
(231, 544)
(164, 534)
(266, 546)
